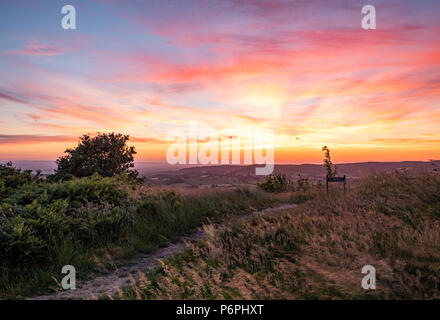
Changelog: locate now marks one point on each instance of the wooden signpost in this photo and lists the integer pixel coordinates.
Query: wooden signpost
(335, 179)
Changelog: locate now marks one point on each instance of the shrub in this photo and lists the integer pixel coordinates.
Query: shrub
(276, 183)
(105, 154)
(11, 178)
(303, 183)
(38, 217)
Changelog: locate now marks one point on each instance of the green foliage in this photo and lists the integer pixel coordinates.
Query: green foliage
(38, 217)
(276, 183)
(106, 154)
(12, 178)
(46, 224)
(330, 168)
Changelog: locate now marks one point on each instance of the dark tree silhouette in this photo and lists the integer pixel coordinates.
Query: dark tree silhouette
(106, 154)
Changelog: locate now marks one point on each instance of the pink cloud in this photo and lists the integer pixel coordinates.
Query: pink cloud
(36, 49)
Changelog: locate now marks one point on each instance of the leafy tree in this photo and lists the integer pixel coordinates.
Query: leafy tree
(106, 154)
(330, 168)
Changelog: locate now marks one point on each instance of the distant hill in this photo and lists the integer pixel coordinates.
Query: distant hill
(46, 167)
(193, 176)
(233, 174)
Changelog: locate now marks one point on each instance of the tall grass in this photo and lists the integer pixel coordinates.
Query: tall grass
(317, 250)
(44, 226)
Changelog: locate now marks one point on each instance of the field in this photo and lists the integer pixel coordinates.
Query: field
(45, 225)
(230, 175)
(315, 250)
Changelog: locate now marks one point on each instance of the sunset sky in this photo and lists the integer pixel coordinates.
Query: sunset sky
(305, 69)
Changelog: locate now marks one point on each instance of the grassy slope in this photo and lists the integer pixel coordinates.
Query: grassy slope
(147, 219)
(317, 250)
